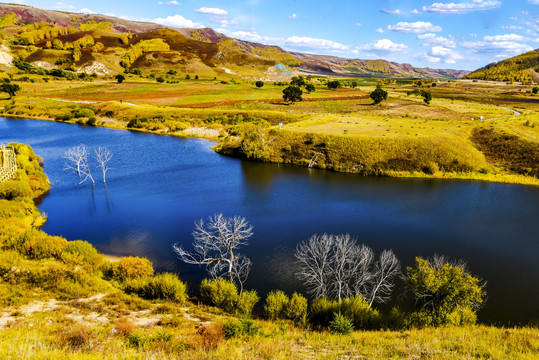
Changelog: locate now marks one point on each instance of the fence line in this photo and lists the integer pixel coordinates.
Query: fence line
(9, 163)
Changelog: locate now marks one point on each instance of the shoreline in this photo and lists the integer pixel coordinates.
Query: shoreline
(503, 178)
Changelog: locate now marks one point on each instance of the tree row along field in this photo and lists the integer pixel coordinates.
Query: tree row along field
(63, 298)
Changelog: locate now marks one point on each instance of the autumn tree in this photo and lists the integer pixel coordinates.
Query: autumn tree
(444, 291)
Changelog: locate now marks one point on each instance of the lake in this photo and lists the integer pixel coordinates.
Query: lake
(159, 186)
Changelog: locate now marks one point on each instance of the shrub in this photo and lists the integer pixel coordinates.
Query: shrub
(238, 327)
(259, 84)
(84, 113)
(133, 267)
(124, 326)
(341, 325)
(276, 304)
(38, 245)
(246, 302)
(14, 189)
(360, 312)
(322, 311)
(441, 289)
(82, 253)
(297, 307)
(91, 121)
(219, 292)
(166, 286)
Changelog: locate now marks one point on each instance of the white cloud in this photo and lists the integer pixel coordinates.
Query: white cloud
(173, 2)
(63, 6)
(178, 21)
(383, 47)
(87, 11)
(417, 27)
(512, 27)
(359, 24)
(212, 11)
(535, 2)
(415, 11)
(462, 8)
(296, 42)
(440, 54)
(314, 43)
(293, 16)
(431, 39)
(499, 46)
(506, 37)
(396, 12)
(380, 30)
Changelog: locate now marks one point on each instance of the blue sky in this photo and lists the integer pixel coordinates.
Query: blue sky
(456, 34)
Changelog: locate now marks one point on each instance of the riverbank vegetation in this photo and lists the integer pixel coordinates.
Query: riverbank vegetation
(63, 299)
(338, 130)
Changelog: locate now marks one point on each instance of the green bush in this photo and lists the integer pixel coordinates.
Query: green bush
(246, 302)
(445, 293)
(166, 286)
(14, 189)
(297, 307)
(322, 311)
(84, 113)
(38, 245)
(91, 121)
(360, 312)
(219, 292)
(276, 305)
(341, 325)
(238, 327)
(82, 253)
(133, 267)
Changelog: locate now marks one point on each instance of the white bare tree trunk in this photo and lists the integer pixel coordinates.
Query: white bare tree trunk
(103, 157)
(215, 245)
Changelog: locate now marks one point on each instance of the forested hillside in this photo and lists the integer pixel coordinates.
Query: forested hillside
(522, 68)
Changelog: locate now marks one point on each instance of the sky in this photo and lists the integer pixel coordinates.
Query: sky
(463, 35)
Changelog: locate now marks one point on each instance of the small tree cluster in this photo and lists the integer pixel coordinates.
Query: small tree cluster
(224, 295)
(280, 306)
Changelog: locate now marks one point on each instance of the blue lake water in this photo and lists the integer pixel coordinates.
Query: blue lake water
(160, 185)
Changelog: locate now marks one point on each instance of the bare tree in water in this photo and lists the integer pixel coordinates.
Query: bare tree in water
(336, 267)
(103, 157)
(216, 243)
(76, 159)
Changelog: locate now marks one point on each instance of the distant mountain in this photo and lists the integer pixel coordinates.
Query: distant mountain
(197, 51)
(524, 68)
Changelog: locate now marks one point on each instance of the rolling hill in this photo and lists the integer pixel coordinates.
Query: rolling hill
(523, 68)
(52, 39)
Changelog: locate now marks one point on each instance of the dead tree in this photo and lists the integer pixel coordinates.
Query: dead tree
(336, 267)
(216, 245)
(76, 159)
(103, 157)
(386, 269)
